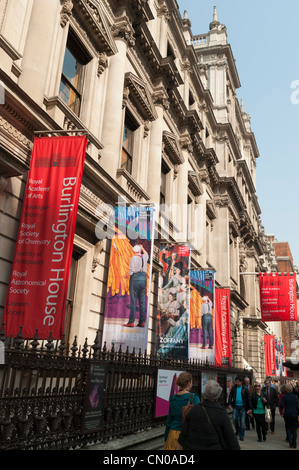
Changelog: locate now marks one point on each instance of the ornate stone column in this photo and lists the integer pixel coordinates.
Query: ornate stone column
(113, 117)
(221, 241)
(182, 191)
(155, 148)
(37, 52)
(164, 15)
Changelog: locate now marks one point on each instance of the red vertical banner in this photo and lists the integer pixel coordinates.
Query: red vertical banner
(37, 290)
(269, 348)
(222, 327)
(278, 297)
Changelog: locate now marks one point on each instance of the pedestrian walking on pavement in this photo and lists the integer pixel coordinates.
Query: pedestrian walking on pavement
(177, 401)
(249, 418)
(272, 398)
(259, 401)
(239, 401)
(282, 393)
(289, 405)
(207, 426)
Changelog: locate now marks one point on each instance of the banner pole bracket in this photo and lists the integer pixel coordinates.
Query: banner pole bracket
(61, 131)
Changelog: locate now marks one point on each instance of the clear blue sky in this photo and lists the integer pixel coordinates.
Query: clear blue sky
(264, 36)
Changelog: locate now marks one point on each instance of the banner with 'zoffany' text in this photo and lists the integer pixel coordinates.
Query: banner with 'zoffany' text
(278, 296)
(37, 290)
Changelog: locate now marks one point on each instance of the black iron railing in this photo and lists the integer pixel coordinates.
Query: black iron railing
(43, 386)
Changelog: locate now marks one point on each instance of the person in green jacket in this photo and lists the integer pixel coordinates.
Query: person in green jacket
(259, 402)
(177, 401)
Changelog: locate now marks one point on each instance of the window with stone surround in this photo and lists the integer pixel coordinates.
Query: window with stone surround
(73, 71)
(163, 187)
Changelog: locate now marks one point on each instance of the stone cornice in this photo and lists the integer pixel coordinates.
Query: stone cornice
(226, 50)
(141, 97)
(133, 190)
(195, 183)
(244, 168)
(139, 10)
(91, 17)
(122, 28)
(172, 148)
(227, 130)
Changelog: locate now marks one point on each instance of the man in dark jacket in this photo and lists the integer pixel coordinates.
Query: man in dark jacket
(239, 400)
(272, 398)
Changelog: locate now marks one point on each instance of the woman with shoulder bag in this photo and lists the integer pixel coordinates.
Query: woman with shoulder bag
(259, 403)
(177, 402)
(207, 425)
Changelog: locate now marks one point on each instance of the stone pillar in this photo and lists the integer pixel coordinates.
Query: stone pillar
(164, 15)
(37, 51)
(113, 116)
(182, 198)
(155, 149)
(221, 257)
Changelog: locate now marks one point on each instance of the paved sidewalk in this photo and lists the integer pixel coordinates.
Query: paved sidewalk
(274, 441)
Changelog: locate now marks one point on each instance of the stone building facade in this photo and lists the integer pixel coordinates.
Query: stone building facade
(164, 126)
(288, 330)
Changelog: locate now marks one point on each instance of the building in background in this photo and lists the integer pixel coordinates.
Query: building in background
(164, 127)
(288, 331)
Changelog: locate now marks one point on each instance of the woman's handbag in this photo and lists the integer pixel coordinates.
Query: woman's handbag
(268, 416)
(187, 408)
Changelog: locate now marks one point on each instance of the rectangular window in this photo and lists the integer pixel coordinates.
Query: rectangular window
(130, 126)
(163, 186)
(72, 77)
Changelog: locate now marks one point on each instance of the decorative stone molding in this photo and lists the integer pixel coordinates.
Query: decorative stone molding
(9, 49)
(66, 12)
(186, 66)
(211, 210)
(163, 10)
(90, 15)
(222, 200)
(161, 98)
(194, 183)
(140, 96)
(103, 63)
(147, 128)
(126, 94)
(123, 29)
(15, 133)
(172, 148)
(132, 188)
(97, 252)
(186, 143)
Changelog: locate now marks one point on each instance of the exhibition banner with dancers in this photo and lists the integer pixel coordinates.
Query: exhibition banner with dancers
(202, 320)
(129, 279)
(173, 302)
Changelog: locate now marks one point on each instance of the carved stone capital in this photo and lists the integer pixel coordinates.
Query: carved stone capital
(123, 29)
(103, 63)
(164, 11)
(66, 12)
(97, 252)
(160, 98)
